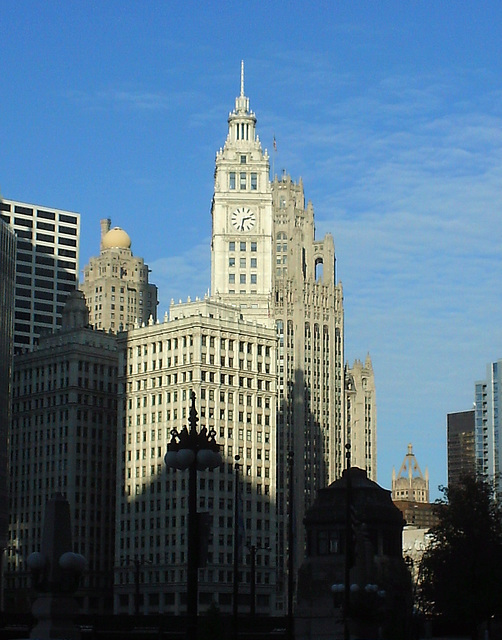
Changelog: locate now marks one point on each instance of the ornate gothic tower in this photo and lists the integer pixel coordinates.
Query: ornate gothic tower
(267, 261)
(307, 308)
(360, 405)
(241, 247)
(410, 483)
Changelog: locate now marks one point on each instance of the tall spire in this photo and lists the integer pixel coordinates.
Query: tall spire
(241, 120)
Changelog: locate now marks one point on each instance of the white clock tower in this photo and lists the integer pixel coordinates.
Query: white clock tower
(241, 246)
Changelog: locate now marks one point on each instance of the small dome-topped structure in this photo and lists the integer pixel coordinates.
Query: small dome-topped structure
(116, 238)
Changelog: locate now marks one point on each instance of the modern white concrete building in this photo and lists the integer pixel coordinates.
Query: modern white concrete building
(488, 425)
(46, 267)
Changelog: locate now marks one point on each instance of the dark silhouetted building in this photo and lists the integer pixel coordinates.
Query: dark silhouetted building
(7, 277)
(461, 445)
(372, 535)
(64, 439)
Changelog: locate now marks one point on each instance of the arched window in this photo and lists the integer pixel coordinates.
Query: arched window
(319, 267)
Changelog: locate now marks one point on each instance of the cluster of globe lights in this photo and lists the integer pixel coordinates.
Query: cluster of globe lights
(71, 562)
(189, 447)
(354, 588)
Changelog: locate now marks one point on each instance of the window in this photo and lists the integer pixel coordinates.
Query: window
(253, 278)
(242, 181)
(231, 184)
(254, 181)
(243, 159)
(231, 278)
(231, 262)
(253, 263)
(253, 246)
(242, 278)
(243, 246)
(242, 263)
(231, 246)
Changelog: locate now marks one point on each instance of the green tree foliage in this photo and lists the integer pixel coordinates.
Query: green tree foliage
(461, 570)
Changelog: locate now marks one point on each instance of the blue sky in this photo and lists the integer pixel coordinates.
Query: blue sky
(390, 112)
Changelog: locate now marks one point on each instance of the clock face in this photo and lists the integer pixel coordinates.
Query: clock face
(243, 219)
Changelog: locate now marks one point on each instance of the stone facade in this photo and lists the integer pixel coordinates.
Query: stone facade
(267, 262)
(230, 364)
(63, 438)
(116, 287)
(360, 403)
(410, 483)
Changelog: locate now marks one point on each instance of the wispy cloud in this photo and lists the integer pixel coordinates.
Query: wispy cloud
(415, 209)
(131, 98)
(178, 277)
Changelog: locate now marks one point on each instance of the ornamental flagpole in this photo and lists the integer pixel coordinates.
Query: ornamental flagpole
(273, 159)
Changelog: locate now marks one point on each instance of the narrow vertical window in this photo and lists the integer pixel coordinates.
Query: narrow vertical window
(254, 181)
(242, 184)
(232, 180)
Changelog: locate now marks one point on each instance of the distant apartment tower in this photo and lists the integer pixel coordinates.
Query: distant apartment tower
(46, 267)
(361, 416)
(7, 280)
(116, 285)
(230, 364)
(488, 425)
(461, 450)
(63, 439)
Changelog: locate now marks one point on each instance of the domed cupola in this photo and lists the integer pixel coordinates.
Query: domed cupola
(116, 238)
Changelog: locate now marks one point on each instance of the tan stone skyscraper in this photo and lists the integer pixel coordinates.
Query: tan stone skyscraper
(360, 405)
(116, 286)
(264, 356)
(266, 260)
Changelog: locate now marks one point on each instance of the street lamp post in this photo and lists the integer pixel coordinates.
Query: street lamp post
(195, 451)
(349, 551)
(237, 535)
(291, 515)
(253, 549)
(252, 590)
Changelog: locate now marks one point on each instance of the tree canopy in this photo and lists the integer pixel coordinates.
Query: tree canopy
(461, 571)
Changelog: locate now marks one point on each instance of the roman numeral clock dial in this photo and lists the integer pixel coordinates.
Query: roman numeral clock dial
(243, 219)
